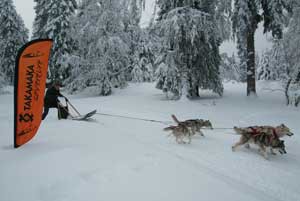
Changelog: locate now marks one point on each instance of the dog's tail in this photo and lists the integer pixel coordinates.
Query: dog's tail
(238, 130)
(175, 119)
(169, 128)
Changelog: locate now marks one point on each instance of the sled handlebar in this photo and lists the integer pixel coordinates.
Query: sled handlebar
(69, 103)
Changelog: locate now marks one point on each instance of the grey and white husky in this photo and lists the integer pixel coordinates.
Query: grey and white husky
(180, 132)
(263, 136)
(195, 125)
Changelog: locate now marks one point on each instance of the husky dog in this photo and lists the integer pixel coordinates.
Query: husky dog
(280, 130)
(194, 125)
(180, 132)
(260, 137)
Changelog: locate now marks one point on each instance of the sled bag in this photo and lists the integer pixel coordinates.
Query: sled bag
(63, 112)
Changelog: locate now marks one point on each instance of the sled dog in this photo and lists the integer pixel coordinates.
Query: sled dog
(281, 130)
(180, 132)
(194, 125)
(263, 136)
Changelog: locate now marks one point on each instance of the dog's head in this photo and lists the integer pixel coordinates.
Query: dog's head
(237, 129)
(284, 130)
(279, 146)
(207, 124)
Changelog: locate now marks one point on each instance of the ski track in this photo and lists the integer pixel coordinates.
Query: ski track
(215, 172)
(113, 158)
(204, 166)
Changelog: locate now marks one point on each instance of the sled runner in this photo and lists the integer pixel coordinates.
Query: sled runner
(65, 113)
(85, 117)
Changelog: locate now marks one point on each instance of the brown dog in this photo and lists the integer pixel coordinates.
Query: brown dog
(263, 136)
(180, 132)
(194, 125)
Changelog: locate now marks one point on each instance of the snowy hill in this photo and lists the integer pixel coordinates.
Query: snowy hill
(124, 159)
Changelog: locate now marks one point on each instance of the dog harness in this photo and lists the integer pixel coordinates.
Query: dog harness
(275, 133)
(255, 132)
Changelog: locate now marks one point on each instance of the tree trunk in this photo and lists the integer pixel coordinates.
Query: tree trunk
(184, 92)
(251, 84)
(197, 91)
(298, 77)
(193, 89)
(287, 87)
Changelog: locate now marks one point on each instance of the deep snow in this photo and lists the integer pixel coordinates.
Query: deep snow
(113, 159)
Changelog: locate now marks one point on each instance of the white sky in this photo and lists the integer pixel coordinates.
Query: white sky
(26, 9)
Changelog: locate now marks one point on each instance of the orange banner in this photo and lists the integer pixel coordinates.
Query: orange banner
(30, 83)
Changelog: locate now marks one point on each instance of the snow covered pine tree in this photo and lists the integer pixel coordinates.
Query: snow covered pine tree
(13, 35)
(169, 80)
(102, 55)
(143, 66)
(229, 68)
(190, 33)
(273, 64)
(292, 52)
(265, 70)
(53, 21)
(2, 82)
(246, 17)
(140, 68)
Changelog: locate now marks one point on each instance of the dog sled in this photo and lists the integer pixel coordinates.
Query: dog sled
(68, 111)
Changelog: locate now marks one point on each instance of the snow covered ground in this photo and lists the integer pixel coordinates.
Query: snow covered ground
(114, 159)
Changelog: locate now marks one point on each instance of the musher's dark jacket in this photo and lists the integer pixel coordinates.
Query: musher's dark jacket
(51, 98)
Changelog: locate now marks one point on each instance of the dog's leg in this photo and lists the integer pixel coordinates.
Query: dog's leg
(190, 138)
(194, 131)
(180, 140)
(239, 143)
(236, 145)
(272, 151)
(201, 133)
(247, 146)
(184, 142)
(264, 152)
(177, 140)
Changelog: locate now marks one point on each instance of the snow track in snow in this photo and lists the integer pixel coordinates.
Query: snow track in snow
(122, 159)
